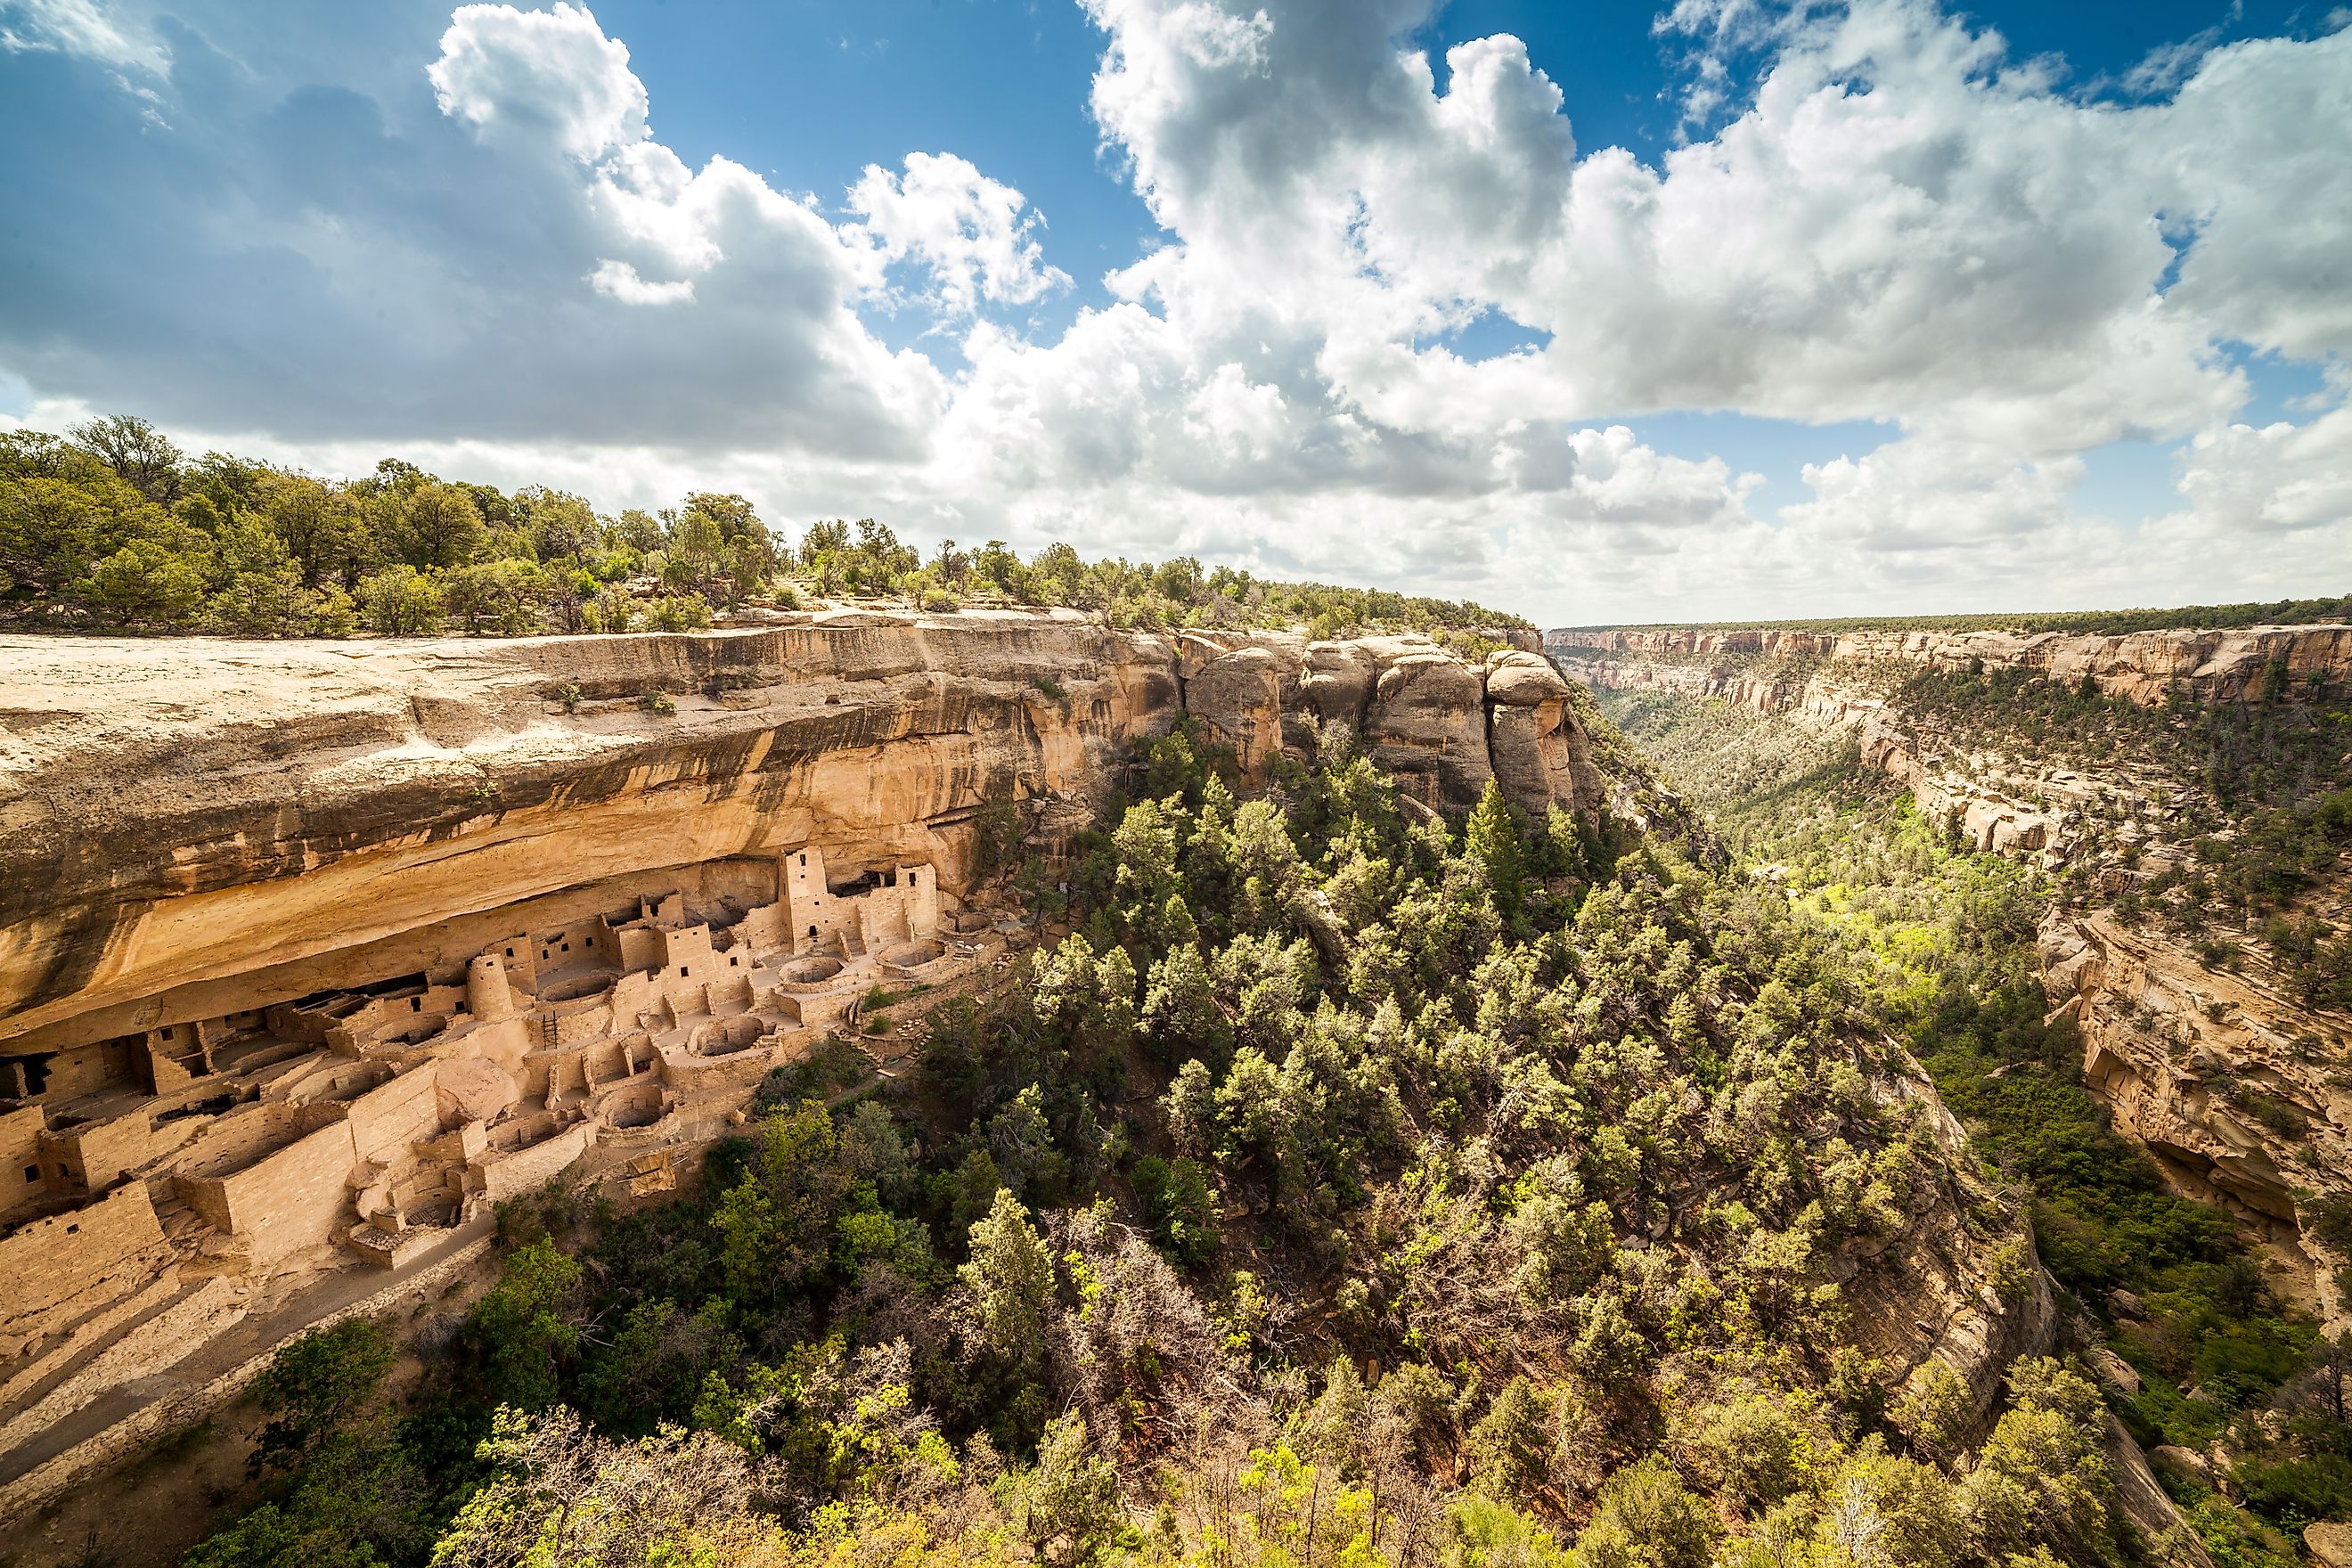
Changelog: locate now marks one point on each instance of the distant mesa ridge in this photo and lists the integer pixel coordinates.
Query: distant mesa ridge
(2144, 666)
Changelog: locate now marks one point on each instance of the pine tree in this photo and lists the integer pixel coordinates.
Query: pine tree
(1493, 840)
(1011, 1277)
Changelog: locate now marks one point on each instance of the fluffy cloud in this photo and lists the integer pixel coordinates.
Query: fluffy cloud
(1898, 225)
(976, 234)
(522, 261)
(1903, 225)
(2257, 158)
(1895, 222)
(2265, 487)
(619, 280)
(540, 75)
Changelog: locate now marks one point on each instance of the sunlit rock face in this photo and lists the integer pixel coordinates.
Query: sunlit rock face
(1442, 725)
(311, 953)
(2025, 807)
(2229, 1079)
(2146, 667)
(190, 829)
(174, 817)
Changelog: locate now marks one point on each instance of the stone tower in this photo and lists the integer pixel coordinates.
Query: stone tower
(488, 997)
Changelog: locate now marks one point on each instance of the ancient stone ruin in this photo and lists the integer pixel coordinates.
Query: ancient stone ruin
(380, 1118)
(311, 954)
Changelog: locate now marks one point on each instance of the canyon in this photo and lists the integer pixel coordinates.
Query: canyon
(311, 954)
(2146, 667)
(2001, 802)
(2235, 1084)
(2238, 1090)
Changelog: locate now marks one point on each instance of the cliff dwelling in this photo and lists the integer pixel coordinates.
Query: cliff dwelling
(374, 1122)
(290, 1008)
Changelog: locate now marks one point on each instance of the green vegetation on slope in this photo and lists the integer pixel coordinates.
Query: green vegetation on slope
(1945, 939)
(1344, 1189)
(2227, 758)
(2254, 820)
(115, 529)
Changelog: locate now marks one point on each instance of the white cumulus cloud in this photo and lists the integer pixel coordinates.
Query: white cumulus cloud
(619, 280)
(977, 236)
(548, 74)
(1893, 221)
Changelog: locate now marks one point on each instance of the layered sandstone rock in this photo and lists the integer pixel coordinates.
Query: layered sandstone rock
(195, 826)
(2146, 667)
(1926, 1294)
(1441, 726)
(2229, 1082)
(1763, 692)
(1240, 694)
(1538, 748)
(1426, 721)
(174, 816)
(311, 952)
(2016, 807)
(2019, 807)
(2237, 1089)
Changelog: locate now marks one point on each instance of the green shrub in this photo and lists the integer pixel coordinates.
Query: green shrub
(1181, 1206)
(313, 1385)
(1648, 1519)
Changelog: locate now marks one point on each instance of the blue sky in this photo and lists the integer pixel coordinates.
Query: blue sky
(1880, 307)
(810, 91)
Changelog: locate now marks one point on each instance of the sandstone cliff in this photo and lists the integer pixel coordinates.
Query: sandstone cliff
(2014, 806)
(2238, 1090)
(1444, 726)
(2231, 1082)
(2141, 667)
(194, 826)
(310, 953)
(2010, 804)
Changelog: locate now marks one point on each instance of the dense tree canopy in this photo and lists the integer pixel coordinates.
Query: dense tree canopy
(1344, 1187)
(112, 527)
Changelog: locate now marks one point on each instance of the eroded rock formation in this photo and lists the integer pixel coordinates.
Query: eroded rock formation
(2021, 807)
(186, 829)
(2237, 1089)
(1443, 726)
(311, 952)
(1925, 1294)
(2141, 667)
(2234, 1085)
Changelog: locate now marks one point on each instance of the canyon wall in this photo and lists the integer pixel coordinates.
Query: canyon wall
(2004, 804)
(189, 828)
(2023, 807)
(310, 953)
(2234, 1085)
(2239, 1090)
(2141, 667)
